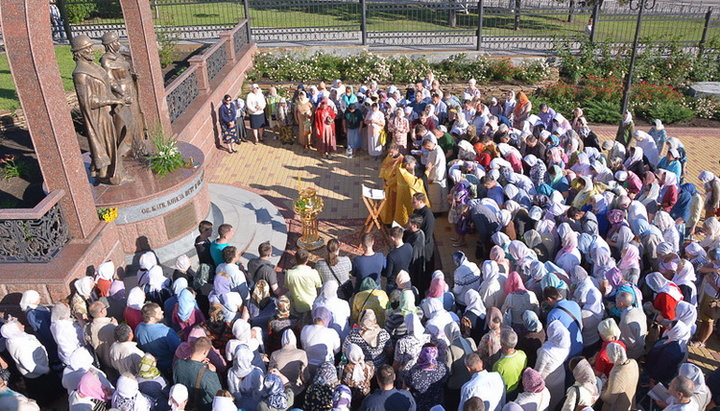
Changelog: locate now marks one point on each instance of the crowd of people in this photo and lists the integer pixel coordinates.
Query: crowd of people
(593, 271)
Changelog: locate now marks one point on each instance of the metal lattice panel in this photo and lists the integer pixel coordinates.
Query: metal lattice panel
(216, 62)
(262, 34)
(423, 38)
(180, 98)
(33, 241)
(240, 38)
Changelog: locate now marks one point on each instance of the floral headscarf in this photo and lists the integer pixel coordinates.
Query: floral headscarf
(326, 374)
(427, 360)
(283, 307)
(148, 368)
(274, 392)
(532, 381)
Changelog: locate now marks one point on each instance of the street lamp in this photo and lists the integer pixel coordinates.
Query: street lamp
(640, 6)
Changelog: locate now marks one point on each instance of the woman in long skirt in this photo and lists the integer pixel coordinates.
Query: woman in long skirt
(375, 121)
(303, 117)
(325, 126)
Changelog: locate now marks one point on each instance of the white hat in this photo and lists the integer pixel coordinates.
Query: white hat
(706, 176)
(535, 213)
(621, 175)
(675, 153)
(392, 90)
(254, 86)
(443, 129)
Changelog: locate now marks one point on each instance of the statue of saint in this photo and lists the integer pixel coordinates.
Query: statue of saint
(97, 103)
(130, 121)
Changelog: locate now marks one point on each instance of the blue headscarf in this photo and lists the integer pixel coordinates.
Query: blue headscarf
(551, 280)
(186, 304)
(531, 321)
(681, 209)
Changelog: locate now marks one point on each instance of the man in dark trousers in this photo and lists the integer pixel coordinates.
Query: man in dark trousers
(398, 258)
(419, 203)
(418, 263)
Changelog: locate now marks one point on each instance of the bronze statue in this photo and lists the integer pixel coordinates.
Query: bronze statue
(97, 102)
(129, 123)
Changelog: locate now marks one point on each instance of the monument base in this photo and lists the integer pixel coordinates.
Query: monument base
(155, 211)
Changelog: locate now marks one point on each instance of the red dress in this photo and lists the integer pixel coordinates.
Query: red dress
(325, 126)
(602, 362)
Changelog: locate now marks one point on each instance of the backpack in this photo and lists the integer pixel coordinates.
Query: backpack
(202, 276)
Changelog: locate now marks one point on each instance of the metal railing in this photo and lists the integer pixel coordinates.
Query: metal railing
(34, 235)
(479, 24)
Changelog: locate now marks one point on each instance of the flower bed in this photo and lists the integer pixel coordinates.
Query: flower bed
(365, 67)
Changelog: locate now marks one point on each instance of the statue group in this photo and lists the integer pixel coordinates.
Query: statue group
(108, 100)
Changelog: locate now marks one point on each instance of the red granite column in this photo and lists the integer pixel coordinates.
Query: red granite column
(144, 50)
(28, 43)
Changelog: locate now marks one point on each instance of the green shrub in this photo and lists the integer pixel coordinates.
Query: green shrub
(109, 9)
(167, 52)
(602, 111)
(79, 12)
(668, 112)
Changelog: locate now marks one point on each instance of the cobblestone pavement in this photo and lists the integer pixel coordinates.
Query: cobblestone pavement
(272, 169)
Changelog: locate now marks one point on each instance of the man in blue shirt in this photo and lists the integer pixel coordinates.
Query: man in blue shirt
(225, 234)
(156, 338)
(387, 397)
(569, 314)
(370, 264)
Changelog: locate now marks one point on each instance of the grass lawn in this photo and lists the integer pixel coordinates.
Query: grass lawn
(8, 97)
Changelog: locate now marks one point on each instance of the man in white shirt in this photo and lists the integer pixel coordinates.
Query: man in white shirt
(320, 342)
(486, 385)
(125, 355)
(436, 170)
(681, 390)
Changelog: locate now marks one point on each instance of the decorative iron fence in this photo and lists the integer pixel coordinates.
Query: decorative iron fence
(481, 24)
(34, 235)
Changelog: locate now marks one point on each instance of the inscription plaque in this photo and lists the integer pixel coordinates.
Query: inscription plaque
(180, 221)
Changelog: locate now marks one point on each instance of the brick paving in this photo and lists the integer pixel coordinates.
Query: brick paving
(271, 169)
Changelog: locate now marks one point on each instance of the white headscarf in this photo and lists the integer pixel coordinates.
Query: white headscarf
(147, 260)
(687, 313)
(182, 263)
(288, 340)
(474, 303)
(30, 300)
(685, 274)
(694, 374)
(178, 395)
(680, 332)
(659, 284)
(636, 156)
(10, 330)
(156, 278)
(558, 340)
(106, 271)
(490, 270)
(223, 404)
(84, 286)
(356, 356)
(414, 326)
(136, 298)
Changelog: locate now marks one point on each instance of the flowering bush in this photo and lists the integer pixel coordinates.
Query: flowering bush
(167, 157)
(601, 88)
(706, 107)
(643, 93)
(560, 91)
(366, 66)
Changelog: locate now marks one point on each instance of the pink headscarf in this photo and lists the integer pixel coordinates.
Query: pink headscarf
(497, 253)
(614, 277)
(630, 258)
(437, 288)
(532, 381)
(514, 284)
(90, 386)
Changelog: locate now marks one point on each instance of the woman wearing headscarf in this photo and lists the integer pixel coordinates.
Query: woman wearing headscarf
(127, 396)
(569, 256)
(319, 395)
(245, 335)
(522, 110)
(669, 191)
(629, 264)
(666, 224)
(82, 297)
(67, 333)
(370, 297)
(472, 323)
(602, 262)
(80, 362)
(104, 278)
(291, 362)
(340, 309)
(531, 336)
(408, 347)
(186, 313)
(551, 359)
(465, 277)
(303, 111)
(280, 322)
(626, 130)
(584, 392)
(151, 382)
(402, 302)
(619, 391)
(427, 378)
(491, 288)
(489, 345)
(133, 309)
(276, 393)
(374, 341)
(610, 333)
(702, 395)
(357, 373)
(185, 350)
(178, 397)
(458, 348)
(518, 299)
(152, 280)
(658, 134)
(90, 393)
(245, 380)
(685, 279)
(590, 300)
(30, 357)
(38, 317)
(663, 360)
(497, 254)
(535, 396)
(666, 295)
(440, 290)
(169, 307)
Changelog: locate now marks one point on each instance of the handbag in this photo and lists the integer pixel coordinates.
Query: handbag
(345, 290)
